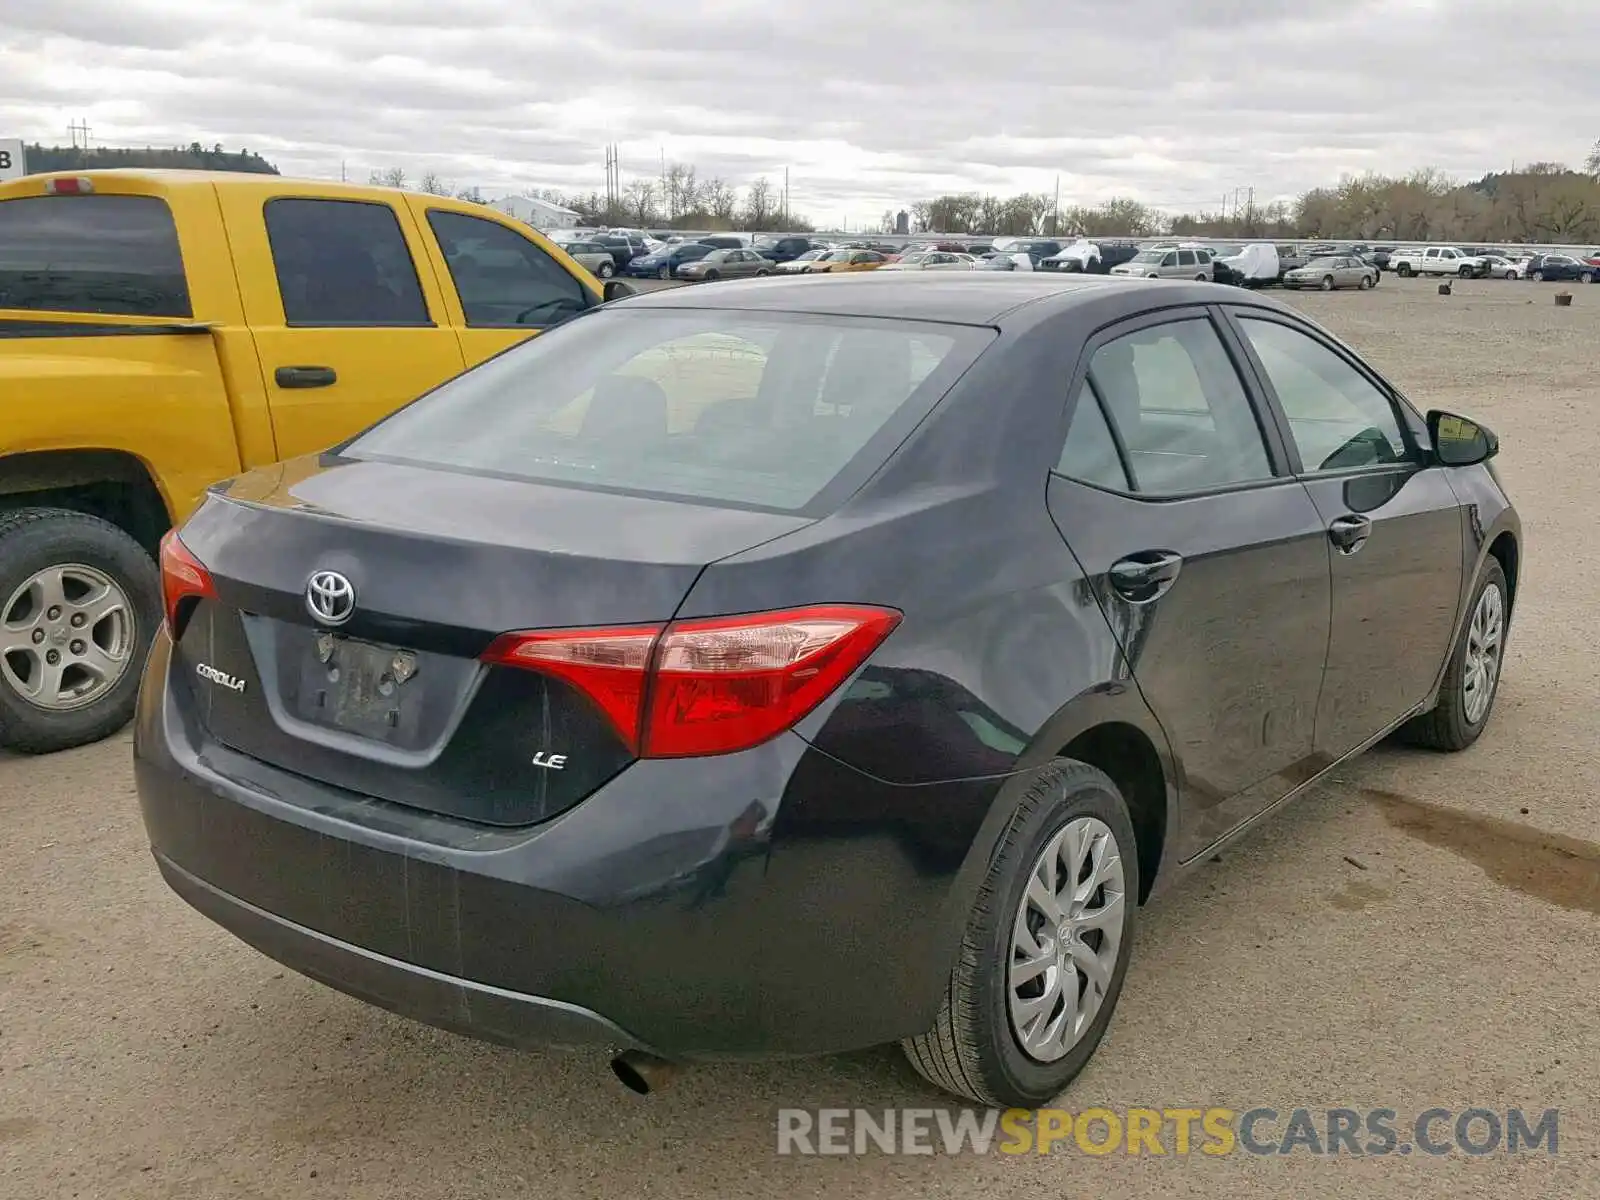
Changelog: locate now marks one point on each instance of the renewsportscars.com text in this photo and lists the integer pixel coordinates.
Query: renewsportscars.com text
(1176, 1132)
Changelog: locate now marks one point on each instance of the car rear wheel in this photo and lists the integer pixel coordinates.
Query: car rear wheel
(1366, 282)
(1472, 679)
(1585, 276)
(1327, 283)
(1537, 276)
(80, 601)
(1046, 947)
(663, 272)
(1200, 278)
(606, 270)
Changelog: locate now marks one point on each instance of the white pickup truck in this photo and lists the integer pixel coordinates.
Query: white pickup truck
(1438, 260)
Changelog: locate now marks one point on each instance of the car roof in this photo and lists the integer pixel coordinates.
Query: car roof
(957, 298)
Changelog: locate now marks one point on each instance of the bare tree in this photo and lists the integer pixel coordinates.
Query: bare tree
(433, 185)
(472, 194)
(760, 206)
(394, 177)
(639, 200)
(720, 200)
(1591, 164)
(682, 191)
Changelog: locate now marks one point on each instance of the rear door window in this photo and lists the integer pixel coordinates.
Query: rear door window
(343, 263)
(760, 410)
(92, 254)
(503, 278)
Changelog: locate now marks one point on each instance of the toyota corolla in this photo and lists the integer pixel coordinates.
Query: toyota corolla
(789, 670)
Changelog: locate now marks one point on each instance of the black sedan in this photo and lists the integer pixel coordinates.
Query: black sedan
(782, 670)
(1558, 267)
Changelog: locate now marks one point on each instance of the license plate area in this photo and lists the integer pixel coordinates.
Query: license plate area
(361, 687)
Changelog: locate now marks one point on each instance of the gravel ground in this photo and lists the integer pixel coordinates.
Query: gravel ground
(1419, 932)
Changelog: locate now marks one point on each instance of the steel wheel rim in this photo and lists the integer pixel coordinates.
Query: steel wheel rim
(77, 615)
(1485, 636)
(1065, 939)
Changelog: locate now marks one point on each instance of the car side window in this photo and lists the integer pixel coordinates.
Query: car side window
(1089, 454)
(1182, 412)
(1338, 418)
(1186, 258)
(342, 263)
(1171, 260)
(502, 277)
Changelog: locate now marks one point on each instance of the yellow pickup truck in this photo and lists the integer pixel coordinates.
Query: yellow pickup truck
(164, 330)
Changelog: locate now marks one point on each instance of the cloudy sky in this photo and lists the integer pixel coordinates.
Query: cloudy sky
(870, 105)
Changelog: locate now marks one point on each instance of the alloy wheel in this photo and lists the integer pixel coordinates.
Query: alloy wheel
(67, 636)
(1065, 938)
(1481, 670)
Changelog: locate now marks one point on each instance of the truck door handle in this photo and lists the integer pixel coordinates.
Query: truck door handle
(1142, 577)
(305, 377)
(1350, 533)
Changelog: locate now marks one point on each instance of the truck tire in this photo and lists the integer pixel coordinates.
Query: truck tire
(1404, 271)
(80, 602)
(1465, 272)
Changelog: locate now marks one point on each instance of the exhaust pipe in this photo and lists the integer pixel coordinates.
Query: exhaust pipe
(644, 1073)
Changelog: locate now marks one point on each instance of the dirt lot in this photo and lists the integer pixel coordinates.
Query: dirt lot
(1422, 931)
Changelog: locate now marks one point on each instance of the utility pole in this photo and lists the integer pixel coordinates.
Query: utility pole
(1055, 211)
(786, 197)
(75, 128)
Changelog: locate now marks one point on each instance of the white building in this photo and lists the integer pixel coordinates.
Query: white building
(541, 214)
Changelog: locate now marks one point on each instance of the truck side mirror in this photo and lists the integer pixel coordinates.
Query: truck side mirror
(617, 289)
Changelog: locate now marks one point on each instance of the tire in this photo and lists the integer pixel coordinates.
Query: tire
(761, 272)
(1404, 271)
(1450, 726)
(1585, 276)
(1327, 283)
(1537, 276)
(712, 277)
(89, 552)
(1201, 279)
(663, 272)
(1465, 272)
(1367, 282)
(607, 270)
(973, 1050)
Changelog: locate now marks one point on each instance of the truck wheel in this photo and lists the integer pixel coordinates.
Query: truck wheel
(1404, 271)
(80, 601)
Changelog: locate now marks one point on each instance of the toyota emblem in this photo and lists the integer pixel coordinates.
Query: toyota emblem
(330, 597)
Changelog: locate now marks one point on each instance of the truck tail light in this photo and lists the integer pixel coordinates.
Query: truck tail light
(184, 579)
(707, 686)
(69, 185)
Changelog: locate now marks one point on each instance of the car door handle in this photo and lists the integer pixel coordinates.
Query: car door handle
(1142, 577)
(1350, 533)
(305, 377)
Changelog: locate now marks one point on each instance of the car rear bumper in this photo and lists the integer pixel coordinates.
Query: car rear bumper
(772, 902)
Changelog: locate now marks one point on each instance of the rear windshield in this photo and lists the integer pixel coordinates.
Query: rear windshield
(91, 254)
(761, 410)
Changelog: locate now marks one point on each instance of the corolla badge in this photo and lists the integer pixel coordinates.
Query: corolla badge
(220, 678)
(330, 597)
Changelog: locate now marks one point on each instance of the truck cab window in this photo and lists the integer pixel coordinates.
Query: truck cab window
(92, 254)
(503, 278)
(343, 263)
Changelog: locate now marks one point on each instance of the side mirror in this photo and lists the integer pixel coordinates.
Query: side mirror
(617, 289)
(1458, 441)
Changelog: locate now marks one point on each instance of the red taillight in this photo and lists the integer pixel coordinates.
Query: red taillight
(706, 686)
(609, 665)
(69, 186)
(183, 577)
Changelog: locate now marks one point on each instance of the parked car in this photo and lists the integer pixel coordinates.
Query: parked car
(1038, 249)
(1255, 265)
(1438, 260)
(1380, 256)
(783, 249)
(1542, 267)
(589, 683)
(594, 256)
(801, 265)
(218, 322)
(726, 264)
(932, 260)
(1008, 260)
(664, 263)
(1336, 271)
(624, 249)
(1187, 263)
(1501, 267)
(838, 261)
(722, 241)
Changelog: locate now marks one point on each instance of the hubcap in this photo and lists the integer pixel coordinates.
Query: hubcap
(66, 637)
(1482, 666)
(1065, 939)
